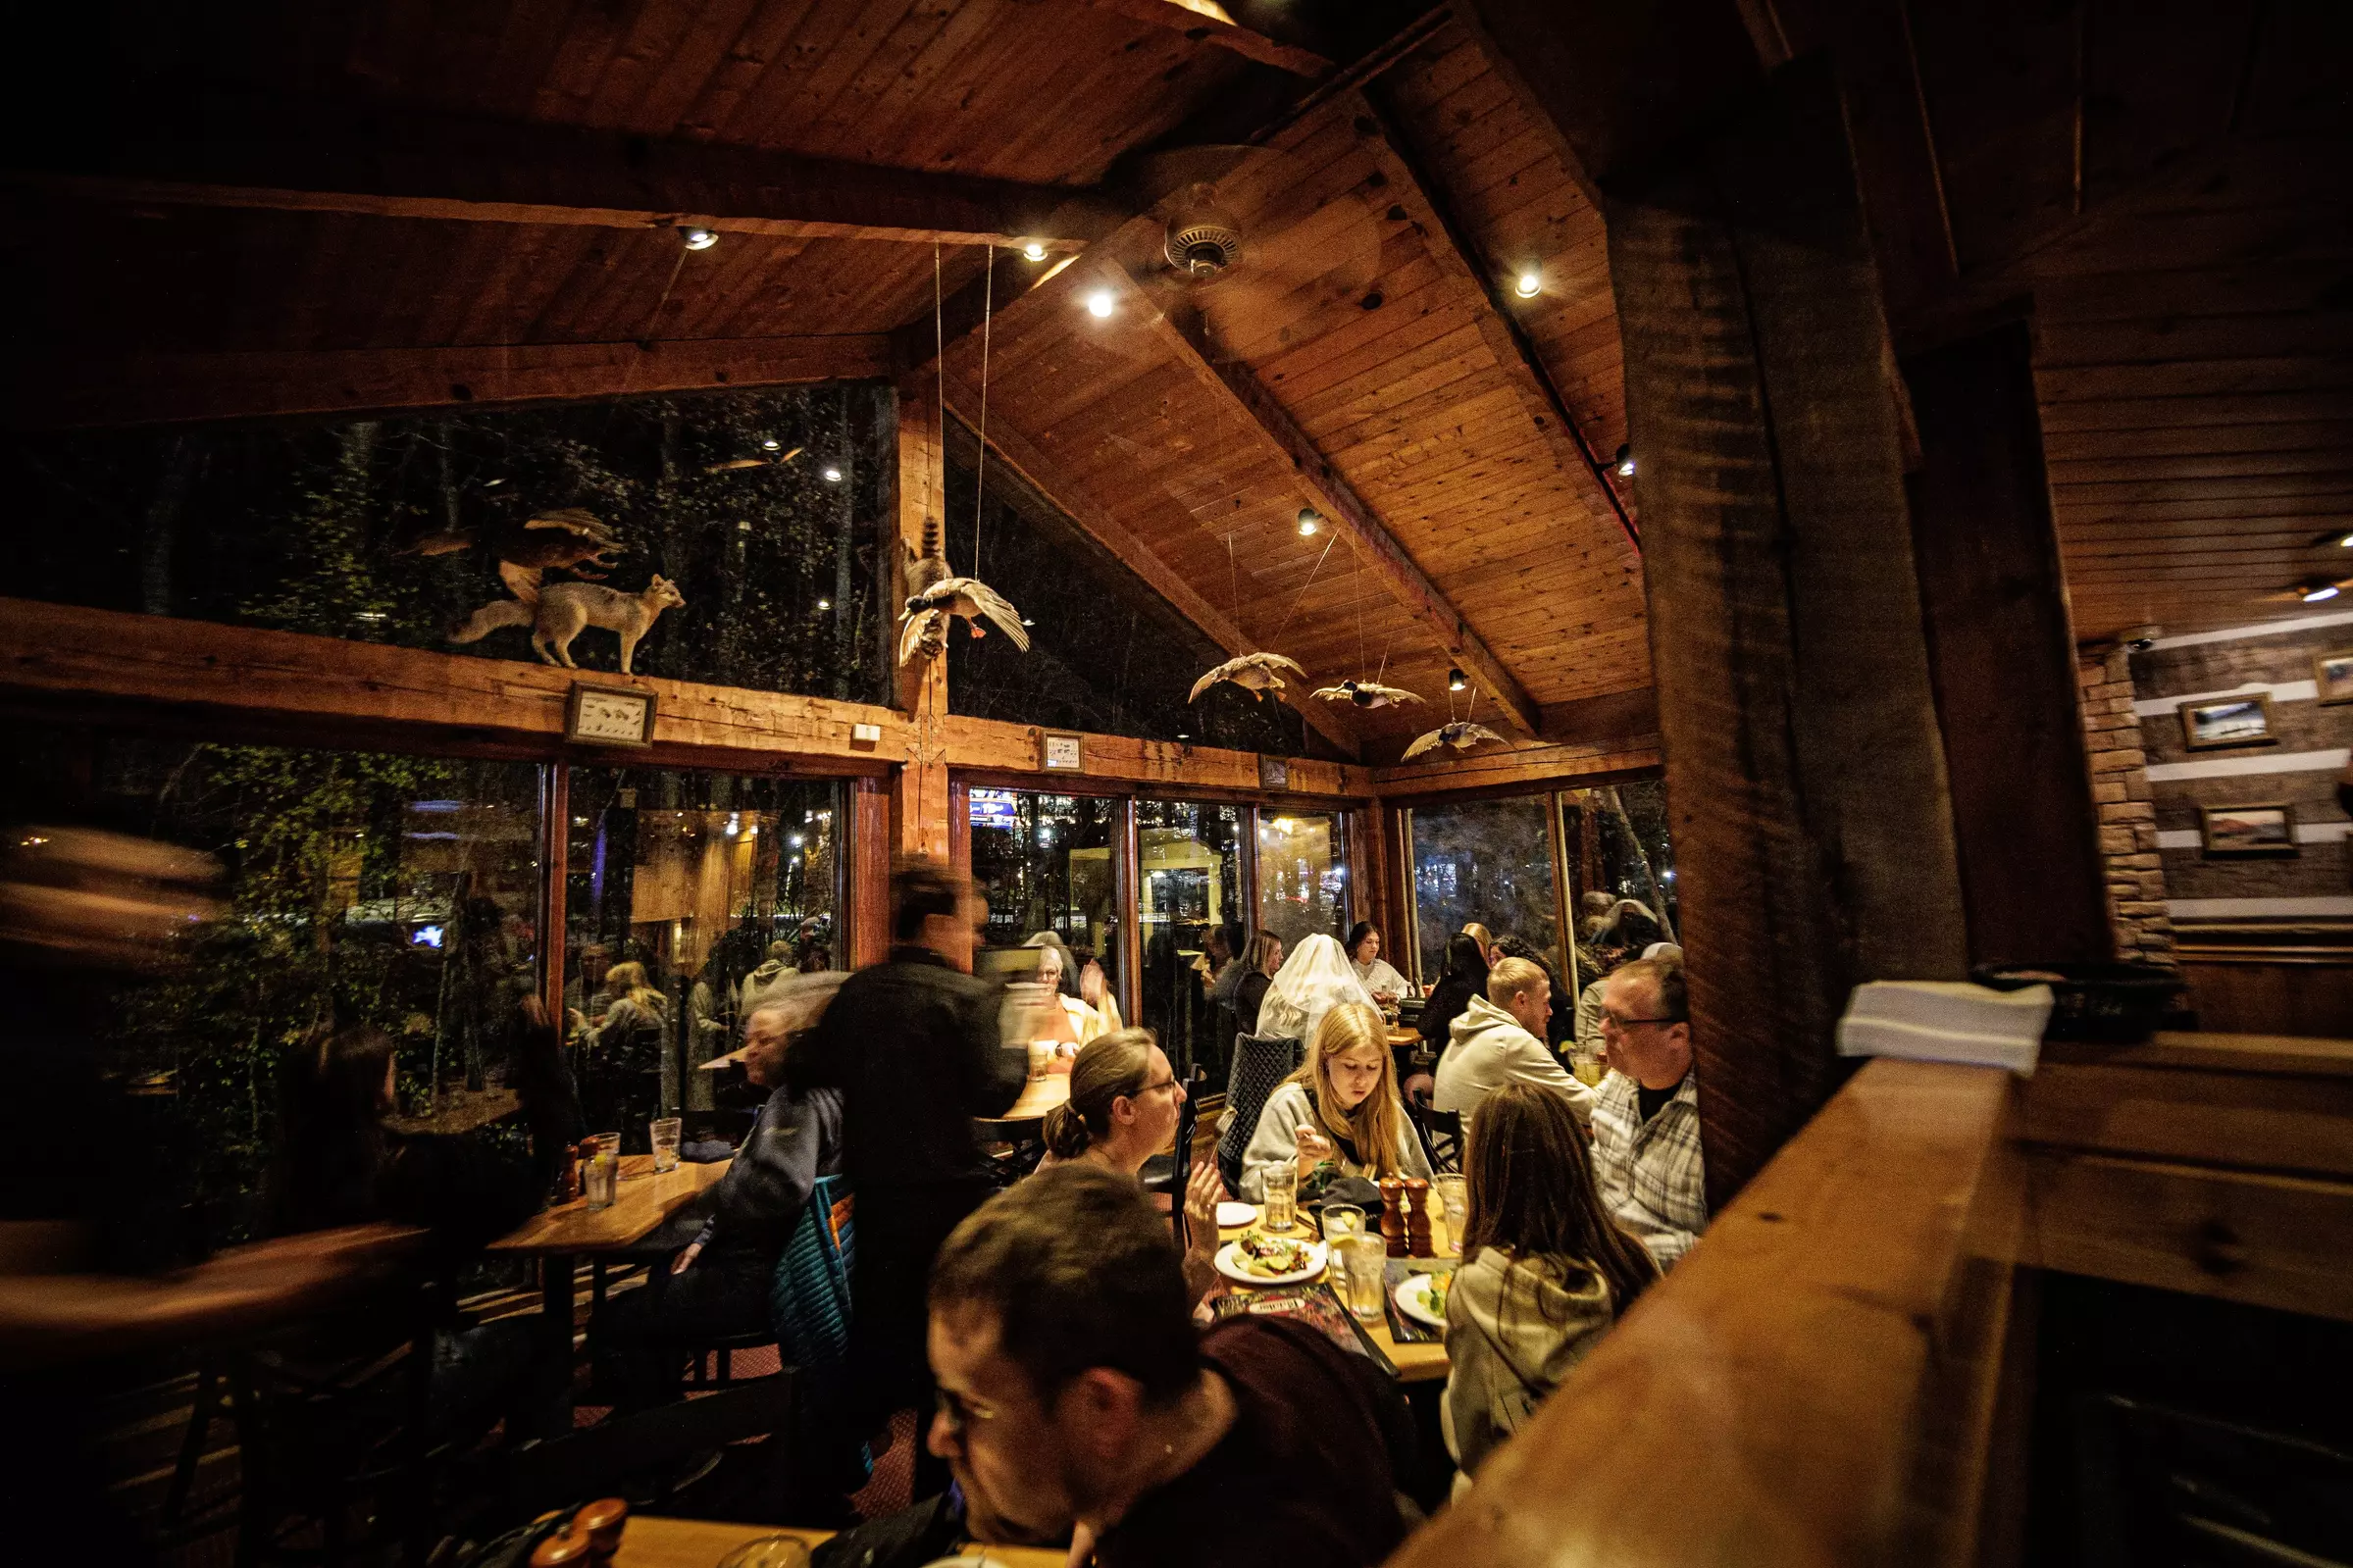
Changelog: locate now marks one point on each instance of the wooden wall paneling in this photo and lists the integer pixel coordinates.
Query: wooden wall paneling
(2002, 659)
(919, 806)
(872, 846)
(2290, 1122)
(2283, 987)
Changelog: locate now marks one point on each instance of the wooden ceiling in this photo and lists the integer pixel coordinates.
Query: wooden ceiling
(308, 208)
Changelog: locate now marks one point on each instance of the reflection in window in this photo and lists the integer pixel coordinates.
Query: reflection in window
(1190, 867)
(1618, 848)
(357, 888)
(717, 886)
(1303, 875)
(1488, 861)
(1046, 863)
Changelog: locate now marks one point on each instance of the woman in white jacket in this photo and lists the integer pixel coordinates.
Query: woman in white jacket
(1337, 1116)
(1544, 1270)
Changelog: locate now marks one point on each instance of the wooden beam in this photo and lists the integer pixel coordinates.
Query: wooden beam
(1460, 255)
(1207, 21)
(1565, 764)
(381, 163)
(158, 388)
(1233, 382)
(999, 747)
(919, 791)
(1045, 476)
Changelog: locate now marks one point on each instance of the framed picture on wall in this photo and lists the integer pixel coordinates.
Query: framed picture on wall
(2332, 676)
(2268, 827)
(2218, 722)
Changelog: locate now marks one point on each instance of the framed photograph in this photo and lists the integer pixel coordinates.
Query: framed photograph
(2264, 829)
(1274, 772)
(1062, 753)
(2332, 676)
(2220, 722)
(610, 716)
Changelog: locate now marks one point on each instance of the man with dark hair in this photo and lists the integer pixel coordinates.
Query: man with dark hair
(1646, 1115)
(913, 1044)
(1076, 1397)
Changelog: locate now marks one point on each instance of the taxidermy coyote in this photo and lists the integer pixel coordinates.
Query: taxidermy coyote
(560, 611)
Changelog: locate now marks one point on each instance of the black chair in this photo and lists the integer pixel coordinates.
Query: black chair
(1441, 1134)
(1259, 1067)
(1172, 1172)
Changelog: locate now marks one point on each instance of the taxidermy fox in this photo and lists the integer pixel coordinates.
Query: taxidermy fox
(560, 611)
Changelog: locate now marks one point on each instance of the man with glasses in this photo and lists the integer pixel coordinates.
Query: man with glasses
(1076, 1398)
(1646, 1115)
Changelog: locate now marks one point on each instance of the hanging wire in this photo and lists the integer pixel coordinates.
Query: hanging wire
(1233, 575)
(979, 467)
(1303, 588)
(940, 371)
(653, 322)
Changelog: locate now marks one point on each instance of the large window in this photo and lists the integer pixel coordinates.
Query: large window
(1302, 874)
(1051, 863)
(1189, 880)
(716, 886)
(356, 888)
(1618, 848)
(1488, 861)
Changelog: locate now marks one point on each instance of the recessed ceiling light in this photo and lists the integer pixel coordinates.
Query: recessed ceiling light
(1455, 681)
(1099, 304)
(2346, 541)
(773, 444)
(1529, 286)
(2314, 592)
(1033, 251)
(1625, 462)
(833, 475)
(1308, 522)
(698, 239)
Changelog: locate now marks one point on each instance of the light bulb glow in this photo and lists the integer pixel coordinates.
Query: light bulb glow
(1099, 304)
(1529, 286)
(1308, 522)
(2319, 592)
(698, 239)
(833, 475)
(1456, 680)
(2346, 542)
(825, 604)
(1033, 251)
(772, 444)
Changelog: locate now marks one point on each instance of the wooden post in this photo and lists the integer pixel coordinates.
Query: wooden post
(870, 849)
(1806, 776)
(2003, 657)
(556, 848)
(919, 792)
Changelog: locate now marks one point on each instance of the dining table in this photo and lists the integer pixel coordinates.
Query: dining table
(653, 1540)
(1038, 1096)
(1416, 1361)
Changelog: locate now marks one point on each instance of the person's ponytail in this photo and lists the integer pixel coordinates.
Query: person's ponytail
(1066, 1135)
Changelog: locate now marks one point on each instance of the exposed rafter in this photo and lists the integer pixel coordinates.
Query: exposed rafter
(1044, 474)
(1003, 290)
(398, 165)
(1208, 22)
(1188, 343)
(155, 389)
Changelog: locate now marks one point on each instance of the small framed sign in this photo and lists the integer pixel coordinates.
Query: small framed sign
(2332, 676)
(610, 716)
(1274, 772)
(1062, 753)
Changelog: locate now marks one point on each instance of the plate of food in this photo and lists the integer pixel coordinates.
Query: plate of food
(1422, 1297)
(1257, 1258)
(1231, 1214)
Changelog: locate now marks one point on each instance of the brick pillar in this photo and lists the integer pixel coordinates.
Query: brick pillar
(2119, 787)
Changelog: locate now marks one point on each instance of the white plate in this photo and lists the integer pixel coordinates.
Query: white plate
(1413, 1297)
(1229, 1264)
(1231, 1214)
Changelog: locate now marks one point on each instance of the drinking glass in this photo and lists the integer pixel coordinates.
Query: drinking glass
(608, 1143)
(663, 1132)
(1453, 1193)
(1282, 1193)
(1587, 1066)
(1341, 1219)
(769, 1551)
(1364, 1273)
(599, 1178)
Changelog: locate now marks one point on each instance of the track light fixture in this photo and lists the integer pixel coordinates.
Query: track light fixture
(1455, 680)
(1528, 285)
(1033, 251)
(1099, 304)
(1625, 460)
(1309, 520)
(2314, 592)
(698, 239)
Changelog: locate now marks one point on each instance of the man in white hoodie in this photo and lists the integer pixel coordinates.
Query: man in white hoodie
(1500, 1039)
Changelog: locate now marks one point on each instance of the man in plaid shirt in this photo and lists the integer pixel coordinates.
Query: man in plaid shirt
(1646, 1115)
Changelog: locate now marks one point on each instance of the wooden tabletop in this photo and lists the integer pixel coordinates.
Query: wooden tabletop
(50, 1318)
(1424, 1362)
(642, 1203)
(1038, 1096)
(650, 1540)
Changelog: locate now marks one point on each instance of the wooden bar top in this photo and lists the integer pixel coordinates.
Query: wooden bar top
(641, 1203)
(650, 1540)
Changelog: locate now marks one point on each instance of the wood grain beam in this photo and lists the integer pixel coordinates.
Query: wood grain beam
(1005, 291)
(161, 388)
(1207, 21)
(1188, 343)
(239, 153)
(1044, 474)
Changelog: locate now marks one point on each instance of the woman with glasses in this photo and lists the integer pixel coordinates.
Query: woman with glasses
(1122, 1110)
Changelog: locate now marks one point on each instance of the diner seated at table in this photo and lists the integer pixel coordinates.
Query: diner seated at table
(1122, 1110)
(1338, 1115)
(1373, 972)
(1072, 1021)
(1545, 1271)
(1078, 1401)
(1560, 1014)
(1265, 960)
(1498, 1039)
(1463, 976)
(1647, 1160)
(1626, 933)
(719, 1282)
(1480, 934)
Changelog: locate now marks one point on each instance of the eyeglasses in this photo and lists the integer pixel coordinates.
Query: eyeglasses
(959, 1412)
(1612, 1020)
(1166, 1083)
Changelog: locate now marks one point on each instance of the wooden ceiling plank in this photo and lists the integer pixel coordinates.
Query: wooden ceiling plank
(1331, 494)
(1209, 24)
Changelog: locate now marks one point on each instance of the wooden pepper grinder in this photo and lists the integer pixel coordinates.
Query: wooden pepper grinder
(590, 1540)
(1392, 1215)
(1417, 1216)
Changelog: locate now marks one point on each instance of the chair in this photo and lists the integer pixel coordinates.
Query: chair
(1259, 1066)
(1172, 1173)
(1441, 1134)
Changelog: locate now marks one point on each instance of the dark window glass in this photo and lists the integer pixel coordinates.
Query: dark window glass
(1050, 863)
(355, 887)
(1488, 861)
(716, 886)
(1189, 880)
(758, 506)
(1302, 874)
(1617, 849)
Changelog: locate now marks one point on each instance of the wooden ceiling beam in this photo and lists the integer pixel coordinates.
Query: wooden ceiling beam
(158, 388)
(1044, 474)
(1233, 382)
(1205, 22)
(311, 158)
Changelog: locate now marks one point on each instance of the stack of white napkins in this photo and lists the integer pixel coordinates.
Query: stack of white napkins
(1946, 1021)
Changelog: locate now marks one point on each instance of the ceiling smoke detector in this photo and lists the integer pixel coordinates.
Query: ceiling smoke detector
(1202, 244)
